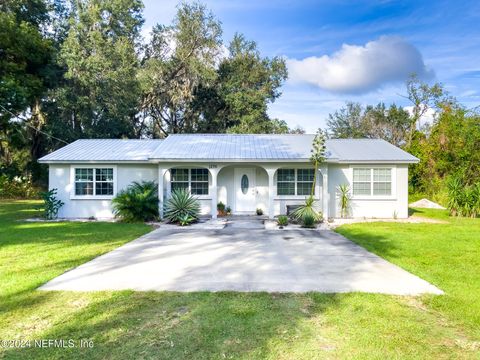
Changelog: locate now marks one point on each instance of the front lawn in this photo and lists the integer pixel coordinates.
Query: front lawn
(446, 255)
(136, 325)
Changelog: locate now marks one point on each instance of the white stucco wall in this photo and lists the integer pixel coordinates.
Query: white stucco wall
(370, 207)
(59, 178)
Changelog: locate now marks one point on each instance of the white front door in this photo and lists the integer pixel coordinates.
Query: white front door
(245, 190)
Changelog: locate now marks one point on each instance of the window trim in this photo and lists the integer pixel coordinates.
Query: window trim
(393, 175)
(189, 187)
(74, 196)
(295, 196)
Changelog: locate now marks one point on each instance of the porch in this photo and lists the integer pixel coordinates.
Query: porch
(244, 187)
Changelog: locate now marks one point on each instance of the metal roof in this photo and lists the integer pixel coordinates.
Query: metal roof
(234, 147)
(375, 150)
(104, 150)
(228, 147)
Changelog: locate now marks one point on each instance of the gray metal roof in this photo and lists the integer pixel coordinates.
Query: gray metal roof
(375, 150)
(234, 147)
(228, 147)
(104, 150)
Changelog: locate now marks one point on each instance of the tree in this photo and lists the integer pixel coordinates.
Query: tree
(180, 63)
(390, 124)
(26, 72)
(347, 122)
(355, 121)
(423, 97)
(247, 84)
(101, 92)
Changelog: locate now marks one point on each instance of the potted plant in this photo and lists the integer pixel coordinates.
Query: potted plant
(259, 212)
(221, 209)
(228, 210)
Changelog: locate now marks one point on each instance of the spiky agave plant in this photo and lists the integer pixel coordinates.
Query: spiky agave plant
(138, 202)
(309, 209)
(182, 205)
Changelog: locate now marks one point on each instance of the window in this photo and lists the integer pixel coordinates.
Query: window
(295, 181)
(382, 181)
(304, 181)
(362, 179)
(376, 181)
(199, 184)
(194, 180)
(94, 181)
(286, 182)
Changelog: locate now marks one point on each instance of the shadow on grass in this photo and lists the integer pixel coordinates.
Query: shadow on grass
(378, 244)
(172, 325)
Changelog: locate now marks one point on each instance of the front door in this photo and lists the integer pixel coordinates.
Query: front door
(245, 190)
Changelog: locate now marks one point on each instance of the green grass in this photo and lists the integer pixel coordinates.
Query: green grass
(167, 325)
(446, 255)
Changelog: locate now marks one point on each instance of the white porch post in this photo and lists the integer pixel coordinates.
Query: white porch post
(325, 194)
(271, 192)
(161, 174)
(213, 190)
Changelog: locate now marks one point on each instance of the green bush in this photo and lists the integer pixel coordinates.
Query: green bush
(138, 202)
(17, 187)
(182, 207)
(308, 221)
(282, 220)
(463, 200)
(307, 209)
(259, 212)
(51, 204)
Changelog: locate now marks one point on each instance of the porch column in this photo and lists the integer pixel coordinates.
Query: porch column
(161, 174)
(271, 192)
(213, 190)
(325, 194)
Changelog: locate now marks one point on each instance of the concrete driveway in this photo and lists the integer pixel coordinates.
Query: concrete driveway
(242, 260)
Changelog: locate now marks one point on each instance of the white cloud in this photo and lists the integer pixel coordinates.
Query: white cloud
(359, 69)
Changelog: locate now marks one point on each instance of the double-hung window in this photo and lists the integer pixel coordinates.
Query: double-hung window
(193, 180)
(93, 182)
(372, 181)
(304, 181)
(295, 181)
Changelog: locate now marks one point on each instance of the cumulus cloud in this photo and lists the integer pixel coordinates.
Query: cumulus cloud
(359, 69)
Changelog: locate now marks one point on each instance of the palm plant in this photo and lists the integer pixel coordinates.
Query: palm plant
(182, 207)
(138, 202)
(345, 198)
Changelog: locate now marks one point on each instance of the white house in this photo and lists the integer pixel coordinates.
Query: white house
(245, 172)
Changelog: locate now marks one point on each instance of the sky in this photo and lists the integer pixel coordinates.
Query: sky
(362, 51)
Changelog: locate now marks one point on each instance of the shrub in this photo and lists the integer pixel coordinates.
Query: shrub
(18, 187)
(51, 205)
(182, 206)
(259, 212)
(282, 220)
(463, 200)
(307, 209)
(308, 221)
(228, 210)
(138, 202)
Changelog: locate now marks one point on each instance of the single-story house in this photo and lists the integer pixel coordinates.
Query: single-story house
(245, 172)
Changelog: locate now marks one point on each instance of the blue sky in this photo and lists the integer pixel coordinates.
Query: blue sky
(353, 50)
